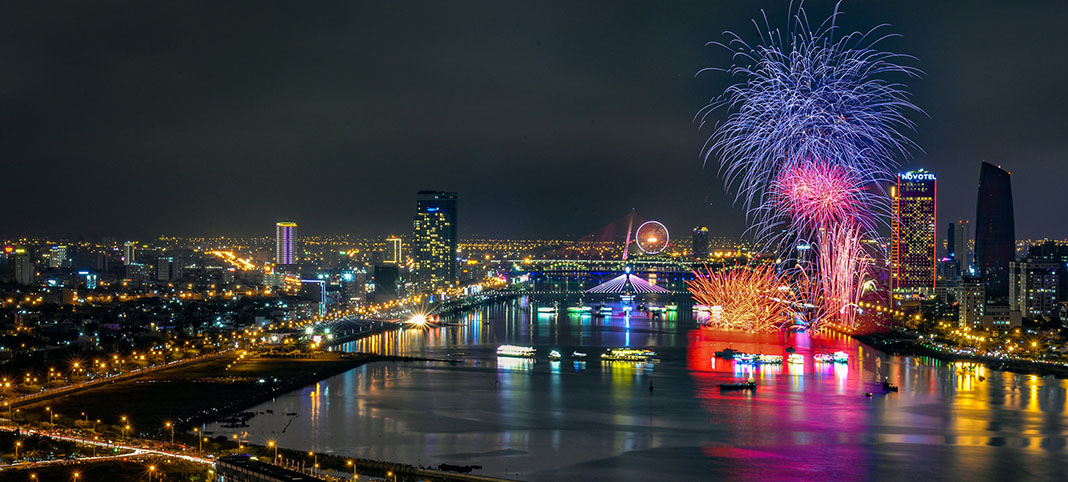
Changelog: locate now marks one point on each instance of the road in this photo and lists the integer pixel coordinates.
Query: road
(128, 450)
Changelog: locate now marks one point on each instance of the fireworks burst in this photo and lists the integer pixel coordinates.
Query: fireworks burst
(751, 298)
(808, 94)
(813, 130)
(818, 194)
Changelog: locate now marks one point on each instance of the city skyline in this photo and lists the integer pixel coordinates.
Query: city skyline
(255, 138)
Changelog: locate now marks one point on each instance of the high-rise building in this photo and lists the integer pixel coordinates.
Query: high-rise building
(1033, 287)
(1058, 253)
(393, 251)
(700, 242)
(285, 242)
(24, 270)
(387, 280)
(434, 239)
(166, 269)
(970, 295)
(995, 231)
(957, 243)
(57, 257)
(913, 245)
(129, 253)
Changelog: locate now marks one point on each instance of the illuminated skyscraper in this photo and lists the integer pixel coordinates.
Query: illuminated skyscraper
(285, 241)
(57, 257)
(434, 240)
(912, 244)
(700, 242)
(129, 253)
(393, 250)
(995, 231)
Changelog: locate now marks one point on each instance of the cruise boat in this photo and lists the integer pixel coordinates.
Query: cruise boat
(795, 359)
(628, 354)
(771, 359)
(555, 355)
(741, 357)
(755, 359)
(546, 309)
(672, 307)
(581, 355)
(513, 351)
(836, 357)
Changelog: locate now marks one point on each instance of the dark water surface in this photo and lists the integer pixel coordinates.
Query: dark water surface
(545, 421)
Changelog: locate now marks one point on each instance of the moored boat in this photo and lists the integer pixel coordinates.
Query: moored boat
(628, 354)
(738, 386)
(513, 351)
(555, 355)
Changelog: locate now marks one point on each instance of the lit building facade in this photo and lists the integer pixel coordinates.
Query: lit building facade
(970, 295)
(434, 240)
(57, 257)
(129, 253)
(393, 251)
(1033, 287)
(913, 242)
(995, 231)
(285, 243)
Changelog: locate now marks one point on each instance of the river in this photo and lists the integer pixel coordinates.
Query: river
(546, 421)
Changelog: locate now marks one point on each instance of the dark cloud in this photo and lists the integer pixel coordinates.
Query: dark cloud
(146, 118)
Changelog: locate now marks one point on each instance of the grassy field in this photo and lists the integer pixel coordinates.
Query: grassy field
(182, 394)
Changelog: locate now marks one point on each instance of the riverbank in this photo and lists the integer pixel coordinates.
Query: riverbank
(906, 344)
(189, 395)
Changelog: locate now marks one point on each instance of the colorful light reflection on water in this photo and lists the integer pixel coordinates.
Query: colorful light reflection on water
(597, 420)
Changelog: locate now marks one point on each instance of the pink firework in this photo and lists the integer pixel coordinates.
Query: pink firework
(843, 265)
(817, 194)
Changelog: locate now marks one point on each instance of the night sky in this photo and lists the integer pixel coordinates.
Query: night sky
(135, 119)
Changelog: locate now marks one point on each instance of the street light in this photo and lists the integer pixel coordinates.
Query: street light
(170, 426)
(151, 470)
(50, 414)
(354, 476)
(17, 445)
(270, 443)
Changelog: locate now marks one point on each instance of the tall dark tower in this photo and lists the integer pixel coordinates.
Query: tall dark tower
(434, 241)
(700, 243)
(995, 231)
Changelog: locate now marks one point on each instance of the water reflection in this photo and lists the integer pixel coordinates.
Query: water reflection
(596, 420)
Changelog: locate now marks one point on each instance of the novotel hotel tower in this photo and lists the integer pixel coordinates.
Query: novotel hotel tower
(913, 241)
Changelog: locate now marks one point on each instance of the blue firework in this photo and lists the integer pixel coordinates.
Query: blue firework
(805, 95)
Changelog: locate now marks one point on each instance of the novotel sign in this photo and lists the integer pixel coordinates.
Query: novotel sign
(917, 176)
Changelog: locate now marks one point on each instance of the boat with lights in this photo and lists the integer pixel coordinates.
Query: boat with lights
(513, 351)
(555, 355)
(628, 354)
(836, 357)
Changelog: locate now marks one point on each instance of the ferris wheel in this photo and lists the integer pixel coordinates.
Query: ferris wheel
(652, 237)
